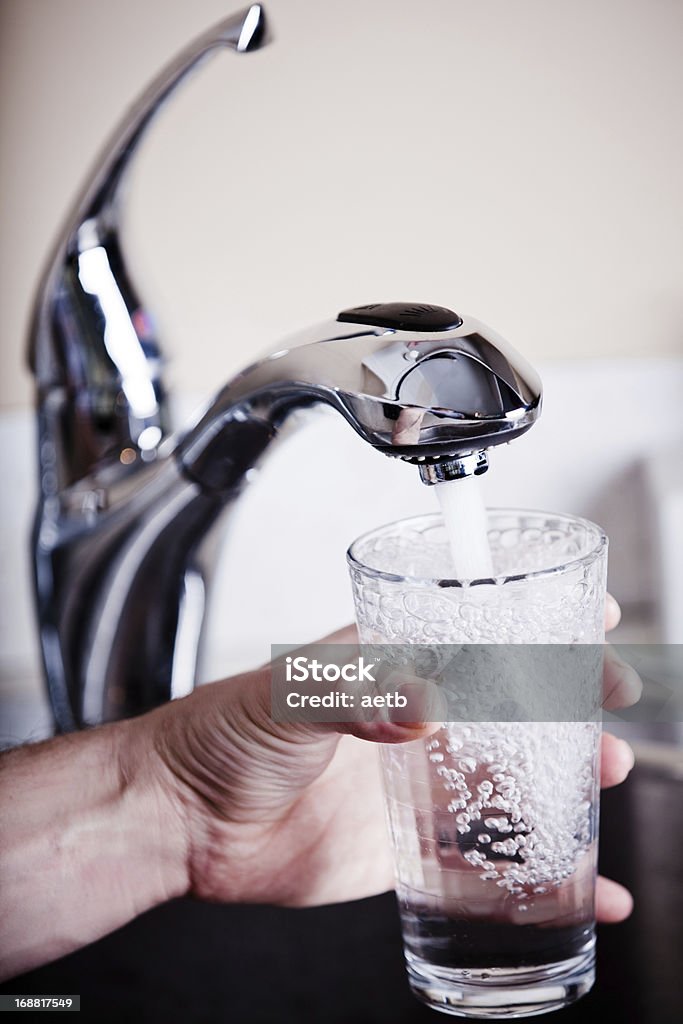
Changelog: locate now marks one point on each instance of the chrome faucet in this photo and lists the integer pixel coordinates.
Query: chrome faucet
(127, 509)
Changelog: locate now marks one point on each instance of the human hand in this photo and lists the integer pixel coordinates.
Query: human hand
(210, 796)
(294, 814)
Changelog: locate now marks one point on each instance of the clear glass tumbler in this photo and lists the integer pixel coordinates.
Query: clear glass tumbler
(494, 824)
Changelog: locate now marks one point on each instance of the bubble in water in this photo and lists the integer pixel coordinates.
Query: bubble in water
(495, 823)
(547, 826)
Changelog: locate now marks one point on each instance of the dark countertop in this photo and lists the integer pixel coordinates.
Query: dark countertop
(194, 963)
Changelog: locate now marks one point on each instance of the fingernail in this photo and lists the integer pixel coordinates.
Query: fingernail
(613, 606)
(423, 703)
(627, 753)
(412, 713)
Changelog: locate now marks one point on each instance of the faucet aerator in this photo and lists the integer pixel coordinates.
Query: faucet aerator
(455, 468)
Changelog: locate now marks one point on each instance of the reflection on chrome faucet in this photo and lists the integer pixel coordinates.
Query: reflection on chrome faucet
(124, 522)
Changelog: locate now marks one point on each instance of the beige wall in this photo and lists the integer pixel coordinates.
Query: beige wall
(516, 159)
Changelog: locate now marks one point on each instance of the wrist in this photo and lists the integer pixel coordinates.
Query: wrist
(151, 800)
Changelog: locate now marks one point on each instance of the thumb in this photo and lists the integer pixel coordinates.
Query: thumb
(226, 744)
(399, 708)
(416, 710)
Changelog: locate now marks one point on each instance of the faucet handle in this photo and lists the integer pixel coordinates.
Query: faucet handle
(93, 346)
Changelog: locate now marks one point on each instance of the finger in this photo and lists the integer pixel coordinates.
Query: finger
(416, 711)
(406, 708)
(612, 612)
(616, 760)
(621, 684)
(388, 732)
(613, 903)
(403, 708)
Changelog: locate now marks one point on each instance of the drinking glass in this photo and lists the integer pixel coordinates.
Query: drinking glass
(493, 823)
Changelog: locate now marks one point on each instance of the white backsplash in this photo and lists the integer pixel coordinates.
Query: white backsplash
(282, 573)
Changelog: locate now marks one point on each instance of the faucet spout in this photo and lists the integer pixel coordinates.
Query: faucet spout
(433, 388)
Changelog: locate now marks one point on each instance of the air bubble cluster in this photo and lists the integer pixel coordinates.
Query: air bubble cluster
(509, 804)
(526, 799)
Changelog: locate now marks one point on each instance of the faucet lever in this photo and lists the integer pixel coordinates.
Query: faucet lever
(118, 579)
(93, 346)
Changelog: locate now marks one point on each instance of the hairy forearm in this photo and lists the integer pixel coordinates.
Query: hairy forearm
(89, 840)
